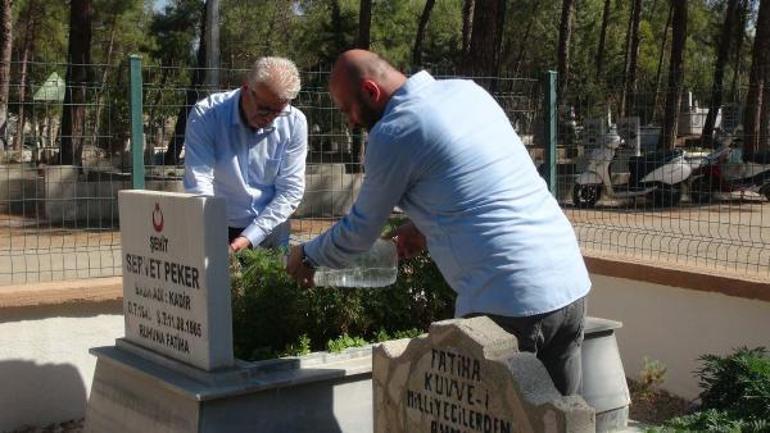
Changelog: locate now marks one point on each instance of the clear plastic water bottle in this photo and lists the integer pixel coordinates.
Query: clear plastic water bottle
(377, 267)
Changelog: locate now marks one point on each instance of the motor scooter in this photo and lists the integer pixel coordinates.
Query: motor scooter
(655, 175)
(732, 171)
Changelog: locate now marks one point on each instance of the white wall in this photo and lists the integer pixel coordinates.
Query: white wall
(45, 367)
(676, 326)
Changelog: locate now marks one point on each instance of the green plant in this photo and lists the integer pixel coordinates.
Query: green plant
(383, 335)
(301, 347)
(651, 377)
(343, 342)
(271, 312)
(738, 383)
(268, 307)
(712, 421)
(735, 397)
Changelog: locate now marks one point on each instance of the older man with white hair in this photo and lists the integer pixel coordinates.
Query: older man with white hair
(249, 145)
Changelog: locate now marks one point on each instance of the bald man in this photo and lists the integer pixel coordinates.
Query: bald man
(445, 152)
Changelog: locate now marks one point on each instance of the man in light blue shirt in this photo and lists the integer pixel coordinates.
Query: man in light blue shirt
(445, 152)
(249, 146)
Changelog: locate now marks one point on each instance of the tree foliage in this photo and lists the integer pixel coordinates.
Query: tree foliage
(314, 32)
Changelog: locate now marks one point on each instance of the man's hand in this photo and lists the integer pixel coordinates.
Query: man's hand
(239, 243)
(409, 241)
(301, 273)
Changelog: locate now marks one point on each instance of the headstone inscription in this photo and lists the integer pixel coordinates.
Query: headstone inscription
(176, 288)
(465, 376)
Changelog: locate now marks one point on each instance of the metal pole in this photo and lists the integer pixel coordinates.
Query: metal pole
(550, 131)
(137, 123)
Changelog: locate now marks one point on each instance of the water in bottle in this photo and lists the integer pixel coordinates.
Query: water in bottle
(377, 267)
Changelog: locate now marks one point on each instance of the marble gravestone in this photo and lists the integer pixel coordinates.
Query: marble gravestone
(174, 372)
(176, 296)
(467, 375)
(178, 319)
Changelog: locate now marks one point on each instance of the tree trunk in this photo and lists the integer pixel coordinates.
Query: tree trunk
(660, 64)
(565, 35)
(30, 28)
(602, 38)
(726, 39)
(336, 16)
(6, 46)
(502, 6)
(103, 82)
(364, 24)
(153, 106)
(628, 97)
(740, 36)
(211, 78)
(468, 8)
(764, 117)
(73, 116)
(522, 48)
(484, 54)
(760, 61)
(421, 26)
(675, 73)
(174, 149)
(357, 147)
(18, 139)
(524, 40)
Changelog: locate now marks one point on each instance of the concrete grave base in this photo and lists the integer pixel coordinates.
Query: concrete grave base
(604, 384)
(136, 391)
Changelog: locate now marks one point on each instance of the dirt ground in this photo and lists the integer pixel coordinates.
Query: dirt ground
(653, 407)
(73, 426)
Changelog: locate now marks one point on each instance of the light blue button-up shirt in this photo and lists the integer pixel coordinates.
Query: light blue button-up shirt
(260, 173)
(445, 152)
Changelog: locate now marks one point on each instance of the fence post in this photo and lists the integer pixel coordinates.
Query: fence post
(137, 123)
(549, 114)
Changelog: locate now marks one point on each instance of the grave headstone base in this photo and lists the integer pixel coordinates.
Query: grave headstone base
(321, 393)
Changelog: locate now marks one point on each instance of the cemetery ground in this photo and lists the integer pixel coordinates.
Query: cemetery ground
(648, 407)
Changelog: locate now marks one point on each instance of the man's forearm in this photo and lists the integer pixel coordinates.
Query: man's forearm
(275, 213)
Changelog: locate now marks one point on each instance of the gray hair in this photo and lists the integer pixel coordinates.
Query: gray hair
(279, 74)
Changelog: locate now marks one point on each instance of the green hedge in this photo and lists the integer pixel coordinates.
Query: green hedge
(273, 316)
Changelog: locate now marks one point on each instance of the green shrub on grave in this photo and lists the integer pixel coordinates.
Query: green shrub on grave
(735, 397)
(273, 316)
(738, 383)
(712, 421)
(343, 342)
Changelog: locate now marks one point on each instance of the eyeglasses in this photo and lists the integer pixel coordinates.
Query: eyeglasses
(267, 111)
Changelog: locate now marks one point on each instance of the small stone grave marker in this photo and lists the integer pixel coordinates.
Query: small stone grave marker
(176, 287)
(465, 376)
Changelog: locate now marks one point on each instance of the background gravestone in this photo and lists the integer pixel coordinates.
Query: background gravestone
(176, 286)
(468, 376)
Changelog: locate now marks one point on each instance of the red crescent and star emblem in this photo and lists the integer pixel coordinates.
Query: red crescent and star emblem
(157, 218)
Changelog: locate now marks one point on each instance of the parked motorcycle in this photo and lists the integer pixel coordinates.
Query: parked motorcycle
(655, 175)
(730, 170)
